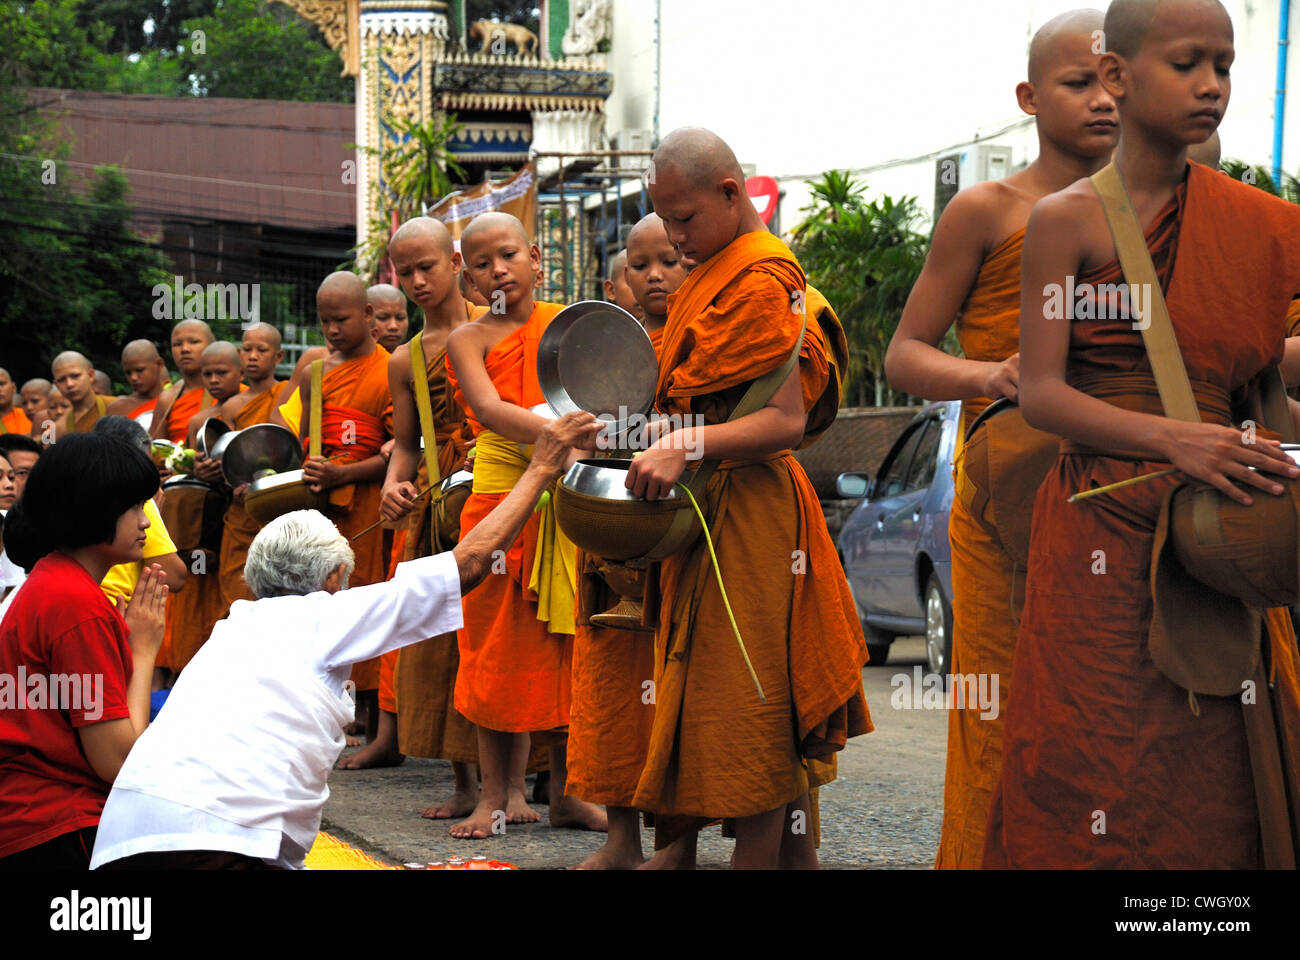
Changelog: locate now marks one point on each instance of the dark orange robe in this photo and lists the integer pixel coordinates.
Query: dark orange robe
(356, 420)
(240, 528)
(190, 402)
(15, 421)
(424, 678)
(613, 676)
(985, 605)
(145, 407)
(86, 422)
(716, 750)
(514, 675)
(1104, 762)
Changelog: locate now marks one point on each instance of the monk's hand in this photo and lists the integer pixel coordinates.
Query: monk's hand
(399, 500)
(563, 441)
(209, 471)
(321, 474)
(1003, 379)
(239, 492)
(1220, 455)
(146, 611)
(469, 458)
(655, 471)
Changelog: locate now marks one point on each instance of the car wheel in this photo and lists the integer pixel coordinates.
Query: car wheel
(938, 628)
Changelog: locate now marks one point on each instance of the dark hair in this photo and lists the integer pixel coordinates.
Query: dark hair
(123, 428)
(75, 494)
(19, 441)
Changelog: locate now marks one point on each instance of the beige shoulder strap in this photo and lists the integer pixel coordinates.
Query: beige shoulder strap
(317, 378)
(424, 406)
(1158, 332)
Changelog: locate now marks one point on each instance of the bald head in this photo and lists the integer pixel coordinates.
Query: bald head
(222, 351)
(70, 358)
(385, 293)
(701, 155)
(344, 289)
(425, 229)
(194, 326)
(651, 226)
(140, 351)
(616, 264)
(37, 385)
(263, 331)
(494, 222)
(1129, 21)
(1073, 23)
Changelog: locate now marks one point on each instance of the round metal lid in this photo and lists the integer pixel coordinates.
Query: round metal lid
(597, 357)
(265, 446)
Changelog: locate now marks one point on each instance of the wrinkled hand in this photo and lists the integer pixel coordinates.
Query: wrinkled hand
(563, 441)
(1004, 379)
(146, 611)
(209, 471)
(399, 500)
(655, 471)
(1218, 455)
(321, 474)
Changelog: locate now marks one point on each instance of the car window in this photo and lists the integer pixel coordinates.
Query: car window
(925, 459)
(892, 480)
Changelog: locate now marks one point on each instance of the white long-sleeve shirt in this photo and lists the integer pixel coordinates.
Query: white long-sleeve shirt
(238, 759)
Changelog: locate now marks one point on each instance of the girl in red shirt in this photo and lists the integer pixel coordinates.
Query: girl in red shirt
(75, 673)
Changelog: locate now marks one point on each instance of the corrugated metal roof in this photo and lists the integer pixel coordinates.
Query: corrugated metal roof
(260, 161)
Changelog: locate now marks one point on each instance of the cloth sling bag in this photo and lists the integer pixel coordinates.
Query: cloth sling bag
(1203, 639)
(444, 515)
(684, 528)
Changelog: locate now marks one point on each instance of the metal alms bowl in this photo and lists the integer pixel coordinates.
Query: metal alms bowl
(597, 357)
(214, 429)
(252, 451)
(598, 513)
(272, 496)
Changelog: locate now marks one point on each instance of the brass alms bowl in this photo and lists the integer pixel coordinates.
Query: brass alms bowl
(598, 513)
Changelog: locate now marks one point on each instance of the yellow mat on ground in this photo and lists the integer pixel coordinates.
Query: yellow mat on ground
(330, 853)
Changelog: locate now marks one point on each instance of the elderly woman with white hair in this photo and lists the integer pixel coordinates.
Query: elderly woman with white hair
(232, 774)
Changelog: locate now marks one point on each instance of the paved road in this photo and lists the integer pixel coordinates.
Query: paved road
(883, 811)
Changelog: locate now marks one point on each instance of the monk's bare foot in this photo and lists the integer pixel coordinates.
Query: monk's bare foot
(479, 825)
(578, 815)
(678, 855)
(352, 741)
(376, 754)
(610, 858)
(459, 804)
(518, 810)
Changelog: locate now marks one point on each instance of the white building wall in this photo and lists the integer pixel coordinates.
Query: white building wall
(799, 88)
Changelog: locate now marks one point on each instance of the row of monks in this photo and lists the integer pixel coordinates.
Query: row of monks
(666, 722)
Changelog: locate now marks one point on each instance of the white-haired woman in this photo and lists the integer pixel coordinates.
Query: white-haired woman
(232, 774)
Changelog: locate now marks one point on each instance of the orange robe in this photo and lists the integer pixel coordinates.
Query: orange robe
(86, 422)
(146, 407)
(15, 421)
(182, 409)
(1104, 764)
(356, 420)
(716, 750)
(514, 675)
(240, 528)
(424, 679)
(613, 674)
(985, 605)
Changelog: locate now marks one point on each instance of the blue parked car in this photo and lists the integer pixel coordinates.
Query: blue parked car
(894, 546)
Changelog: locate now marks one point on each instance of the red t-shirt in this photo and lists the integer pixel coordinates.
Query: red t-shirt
(64, 663)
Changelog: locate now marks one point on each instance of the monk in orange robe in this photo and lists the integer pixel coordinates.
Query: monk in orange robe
(417, 683)
(972, 277)
(12, 417)
(259, 353)
(516, 646)
(1106, 762)
(718, 748)
(74, 376)
(356, 421)
(609, 727)
(182, 400)
(146, 372)
(35, 394)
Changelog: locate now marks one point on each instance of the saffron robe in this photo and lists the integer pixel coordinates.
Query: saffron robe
(240, 528)
(716, 750)
(356, 420)
(986, 593)
(1104, 762)
(86, 422)
(514, 674)
(424, 679)
(15, 421)
(190, 402)
(613, 674)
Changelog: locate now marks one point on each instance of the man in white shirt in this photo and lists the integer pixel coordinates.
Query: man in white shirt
(233, 772)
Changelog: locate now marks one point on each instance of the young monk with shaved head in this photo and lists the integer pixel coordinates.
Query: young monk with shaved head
(259, 354)
(35, 395)
(971, 279)
(517, 643)
(56, 406)
(391, 325)
(356, 421)
(179, 402)
(417, 685)
(12, 417)
(617, 291)
(718, 749)
(1106, 762)
(146, 372)
(75, 377)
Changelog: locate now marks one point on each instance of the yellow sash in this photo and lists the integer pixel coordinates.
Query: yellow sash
(498, 465)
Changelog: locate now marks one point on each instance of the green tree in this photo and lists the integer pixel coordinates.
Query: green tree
(126, 20)
(865, 257)
(1259, 175)
(257, 50)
